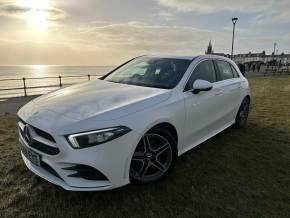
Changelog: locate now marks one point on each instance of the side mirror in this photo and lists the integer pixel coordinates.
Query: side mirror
(201, 85)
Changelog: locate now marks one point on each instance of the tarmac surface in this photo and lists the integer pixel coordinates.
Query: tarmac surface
(12, 105)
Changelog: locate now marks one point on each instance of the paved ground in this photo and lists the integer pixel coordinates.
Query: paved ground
(12, 105)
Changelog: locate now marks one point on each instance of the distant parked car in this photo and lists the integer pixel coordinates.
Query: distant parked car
(133, 123)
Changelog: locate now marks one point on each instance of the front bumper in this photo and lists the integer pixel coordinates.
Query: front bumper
(112, 159)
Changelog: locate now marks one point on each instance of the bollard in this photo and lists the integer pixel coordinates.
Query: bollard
(24, 86)
(60, 84)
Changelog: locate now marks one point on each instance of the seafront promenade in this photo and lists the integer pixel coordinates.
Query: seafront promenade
(11, 105)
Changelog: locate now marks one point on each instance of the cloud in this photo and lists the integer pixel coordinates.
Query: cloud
(134, 38)
(6, 10)
(210, 6)
(238, 29)
(273, 17)
(109, 43)
(166, 15)
(12, 10)
(106, 43)
(142, 38)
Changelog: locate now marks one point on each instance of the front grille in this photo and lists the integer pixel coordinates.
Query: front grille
(38, 145)
(43, 134)
(44, 148)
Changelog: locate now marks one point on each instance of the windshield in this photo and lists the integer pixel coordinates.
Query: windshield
(151, 72)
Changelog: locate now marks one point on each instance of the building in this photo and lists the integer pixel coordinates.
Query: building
(281, 59)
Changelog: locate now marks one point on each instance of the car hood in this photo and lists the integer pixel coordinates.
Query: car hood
(98, 98)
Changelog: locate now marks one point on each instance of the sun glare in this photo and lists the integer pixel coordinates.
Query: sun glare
(40, 66)
(37, 14)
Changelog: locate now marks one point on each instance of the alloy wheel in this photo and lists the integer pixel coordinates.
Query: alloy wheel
(151, 159)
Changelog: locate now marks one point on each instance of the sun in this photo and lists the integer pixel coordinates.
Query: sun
(37, 11)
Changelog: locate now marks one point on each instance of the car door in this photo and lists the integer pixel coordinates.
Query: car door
(202, 109)
(228, 87)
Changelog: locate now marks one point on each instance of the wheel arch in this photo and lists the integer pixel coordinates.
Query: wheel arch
(167, 128)
(248, 97)
(161, 124)
(170, 127)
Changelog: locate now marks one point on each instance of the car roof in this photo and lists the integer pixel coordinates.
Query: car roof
(172, 56)
(188, 57)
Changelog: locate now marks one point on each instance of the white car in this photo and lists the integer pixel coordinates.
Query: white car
(133, 123)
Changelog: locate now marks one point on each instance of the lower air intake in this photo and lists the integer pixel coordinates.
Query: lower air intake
(86, 172)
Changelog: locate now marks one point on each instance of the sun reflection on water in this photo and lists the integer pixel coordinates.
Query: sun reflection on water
(39, 70)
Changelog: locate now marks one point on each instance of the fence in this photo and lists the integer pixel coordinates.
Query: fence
(44, 88)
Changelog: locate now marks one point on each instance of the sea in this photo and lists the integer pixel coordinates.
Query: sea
(44, 75)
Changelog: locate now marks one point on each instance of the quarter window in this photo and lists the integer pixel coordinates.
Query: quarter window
(205, 71)
(225, 71)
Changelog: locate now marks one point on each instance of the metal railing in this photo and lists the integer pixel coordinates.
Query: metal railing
(25, 88)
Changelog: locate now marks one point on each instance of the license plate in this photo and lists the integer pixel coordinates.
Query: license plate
(31, 155)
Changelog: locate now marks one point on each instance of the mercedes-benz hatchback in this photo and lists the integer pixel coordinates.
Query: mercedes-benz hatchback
(133, 123)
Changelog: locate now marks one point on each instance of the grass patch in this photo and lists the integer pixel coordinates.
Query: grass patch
(238, 173)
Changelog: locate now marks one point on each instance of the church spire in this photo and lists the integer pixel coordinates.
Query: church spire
(209, 48)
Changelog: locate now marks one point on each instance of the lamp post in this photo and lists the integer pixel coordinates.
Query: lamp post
(234, 20)
(275, 45)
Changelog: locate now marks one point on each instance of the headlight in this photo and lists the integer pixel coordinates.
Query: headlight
(92, 138)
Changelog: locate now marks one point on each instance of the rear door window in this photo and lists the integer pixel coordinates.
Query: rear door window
(224, 70)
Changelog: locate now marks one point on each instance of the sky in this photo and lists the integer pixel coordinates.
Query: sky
(109, 32)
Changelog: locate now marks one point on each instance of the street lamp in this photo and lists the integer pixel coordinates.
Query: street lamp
(275, 45)
(234, 20)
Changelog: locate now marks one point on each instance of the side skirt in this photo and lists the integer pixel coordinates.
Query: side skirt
(205, 138)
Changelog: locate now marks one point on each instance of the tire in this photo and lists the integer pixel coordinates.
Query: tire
(154, 156)
(242, 115)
